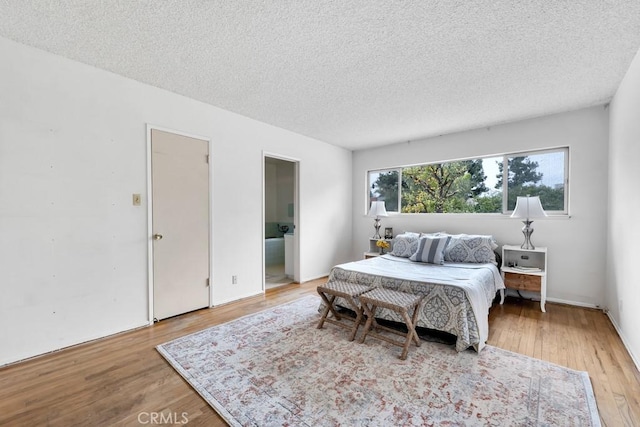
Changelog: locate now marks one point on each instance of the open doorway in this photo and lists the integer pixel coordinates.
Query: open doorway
(280, 214)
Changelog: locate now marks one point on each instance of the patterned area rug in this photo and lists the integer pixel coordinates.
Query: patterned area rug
(275, 368)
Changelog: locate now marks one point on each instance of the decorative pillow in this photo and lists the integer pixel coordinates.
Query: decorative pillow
(471, 248)
(405, 244)
(431, 249)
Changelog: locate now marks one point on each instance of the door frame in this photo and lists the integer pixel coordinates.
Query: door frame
(150, 213)
(296, 213)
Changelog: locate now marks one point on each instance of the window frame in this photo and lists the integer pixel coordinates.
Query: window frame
(505, 181)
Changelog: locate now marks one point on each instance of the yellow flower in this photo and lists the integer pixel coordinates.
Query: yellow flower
(382, 244)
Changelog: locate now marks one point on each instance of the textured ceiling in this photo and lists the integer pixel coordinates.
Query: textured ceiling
(354, 73)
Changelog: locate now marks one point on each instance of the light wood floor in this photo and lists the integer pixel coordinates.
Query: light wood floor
(122, 380)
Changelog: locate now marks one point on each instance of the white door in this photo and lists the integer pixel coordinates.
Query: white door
(180, 211)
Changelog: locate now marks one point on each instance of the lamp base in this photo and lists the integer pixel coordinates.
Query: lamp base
(527, 230)
(376, 225)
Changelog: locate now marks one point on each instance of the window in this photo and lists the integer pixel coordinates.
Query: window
(383, 185)
(541, 174)
(480, 185)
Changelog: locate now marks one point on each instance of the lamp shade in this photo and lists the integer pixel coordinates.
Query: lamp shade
(528, 207)
(377, 210)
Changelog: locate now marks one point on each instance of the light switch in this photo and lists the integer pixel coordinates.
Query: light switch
(136, 200)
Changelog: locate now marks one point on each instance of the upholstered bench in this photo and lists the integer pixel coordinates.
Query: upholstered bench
(399, 302)
(349, 291)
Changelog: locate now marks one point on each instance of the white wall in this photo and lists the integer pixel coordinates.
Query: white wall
(576, 246)
(623, 284)
(73, 249)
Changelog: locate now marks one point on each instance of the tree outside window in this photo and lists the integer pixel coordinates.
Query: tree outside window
(473, 186)
(384, 187)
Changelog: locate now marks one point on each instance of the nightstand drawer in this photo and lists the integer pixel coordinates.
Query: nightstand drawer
(523, 282)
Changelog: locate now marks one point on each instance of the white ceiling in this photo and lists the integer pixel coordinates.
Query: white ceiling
(354, 73)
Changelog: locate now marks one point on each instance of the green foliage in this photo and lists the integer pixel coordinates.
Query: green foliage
(488, 204)
(441, 187)
(552, 199)
(522, 171)
(459, 187)
(523, 181)
(477, 177)
(428, 188)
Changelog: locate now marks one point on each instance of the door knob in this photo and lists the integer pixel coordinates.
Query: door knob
(157, 237)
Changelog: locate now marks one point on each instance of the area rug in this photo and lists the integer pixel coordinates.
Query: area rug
(275, 368)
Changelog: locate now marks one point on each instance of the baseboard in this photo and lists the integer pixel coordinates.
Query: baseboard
(229, 301)
(576, 303)
(636, 361)
(536, 297)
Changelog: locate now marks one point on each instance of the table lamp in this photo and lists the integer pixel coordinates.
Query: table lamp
(376, 211)
(528, 207)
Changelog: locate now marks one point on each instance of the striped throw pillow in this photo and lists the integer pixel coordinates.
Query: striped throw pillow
(431, 249)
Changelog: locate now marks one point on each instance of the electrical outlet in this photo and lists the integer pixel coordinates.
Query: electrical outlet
(234, 280)
(136, 199)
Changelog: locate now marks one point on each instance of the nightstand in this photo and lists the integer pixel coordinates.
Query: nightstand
(525, 270)
(374, 251)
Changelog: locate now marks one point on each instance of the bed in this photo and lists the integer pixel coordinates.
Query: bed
(458, 295)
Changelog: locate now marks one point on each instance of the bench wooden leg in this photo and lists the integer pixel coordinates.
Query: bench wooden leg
(414, 320)
(412, 335)
(329, 307)
(370, 312)
(358, 319)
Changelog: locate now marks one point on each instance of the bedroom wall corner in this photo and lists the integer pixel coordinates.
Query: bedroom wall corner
(623, 251)
(576, 245)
